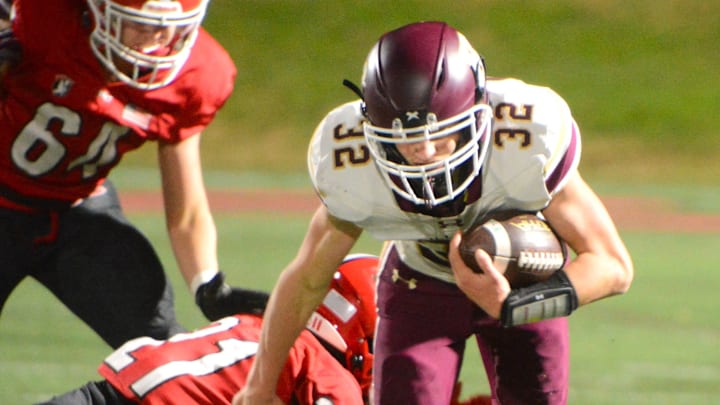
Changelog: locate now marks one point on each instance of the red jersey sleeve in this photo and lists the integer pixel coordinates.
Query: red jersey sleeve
(203, 86)
(311, 374)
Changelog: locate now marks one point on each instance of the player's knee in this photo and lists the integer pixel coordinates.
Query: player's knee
(404, 381)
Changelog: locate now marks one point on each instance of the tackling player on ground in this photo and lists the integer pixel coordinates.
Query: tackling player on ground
(330, 363)
(84, 83)
(430, 149)
(209, 365)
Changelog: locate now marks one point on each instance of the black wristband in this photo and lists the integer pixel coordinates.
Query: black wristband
(552, 298)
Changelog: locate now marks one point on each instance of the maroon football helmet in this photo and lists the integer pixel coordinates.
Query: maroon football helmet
(346, 318)
(177, 22)
(422, 82)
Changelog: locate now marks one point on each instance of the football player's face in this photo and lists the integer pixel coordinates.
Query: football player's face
(147, 38)
(424, 152)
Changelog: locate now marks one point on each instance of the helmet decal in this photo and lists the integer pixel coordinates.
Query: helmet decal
(339, 305)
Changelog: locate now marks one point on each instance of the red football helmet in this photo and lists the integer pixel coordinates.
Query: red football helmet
(422, 82)
(346, 318)
(163, 33)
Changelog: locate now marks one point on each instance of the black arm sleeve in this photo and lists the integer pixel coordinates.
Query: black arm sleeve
(92, 393)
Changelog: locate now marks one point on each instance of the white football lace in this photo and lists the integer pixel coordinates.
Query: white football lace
(540, 262)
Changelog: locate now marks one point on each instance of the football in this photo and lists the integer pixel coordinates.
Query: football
(523, 247)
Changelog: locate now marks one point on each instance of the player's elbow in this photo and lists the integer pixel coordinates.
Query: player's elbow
(624, 275)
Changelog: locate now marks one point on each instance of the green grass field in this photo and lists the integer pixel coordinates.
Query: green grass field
(657, 344)
(640, 76)
(641, 79)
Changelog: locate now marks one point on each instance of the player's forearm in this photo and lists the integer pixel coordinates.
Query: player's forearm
(289, 308)
(597, 276)
(194, 244)
(603, 266)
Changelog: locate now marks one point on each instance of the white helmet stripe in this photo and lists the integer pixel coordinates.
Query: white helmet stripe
(323, 328)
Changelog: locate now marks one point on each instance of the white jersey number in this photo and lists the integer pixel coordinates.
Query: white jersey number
(230, 352)
(37, 149)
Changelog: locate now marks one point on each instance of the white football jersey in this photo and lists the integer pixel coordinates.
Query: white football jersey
(535, 146)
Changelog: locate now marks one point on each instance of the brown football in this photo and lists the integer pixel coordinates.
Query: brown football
(523, 247)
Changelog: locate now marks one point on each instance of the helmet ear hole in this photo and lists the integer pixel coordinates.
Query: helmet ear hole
(356, 362)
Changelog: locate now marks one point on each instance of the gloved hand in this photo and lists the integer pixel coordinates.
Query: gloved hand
(217, 299)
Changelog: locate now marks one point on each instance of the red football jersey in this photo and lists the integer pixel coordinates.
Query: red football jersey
(208, 366)
(64, 126)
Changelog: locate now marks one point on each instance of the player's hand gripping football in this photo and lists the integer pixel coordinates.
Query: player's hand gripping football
(488, 289)
(217, 299)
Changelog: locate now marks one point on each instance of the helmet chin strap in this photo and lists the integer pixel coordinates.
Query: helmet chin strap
(354, 87)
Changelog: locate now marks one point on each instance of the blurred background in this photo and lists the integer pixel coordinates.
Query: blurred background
(641, 79)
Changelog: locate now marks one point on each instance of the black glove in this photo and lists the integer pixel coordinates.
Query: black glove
(217, 300)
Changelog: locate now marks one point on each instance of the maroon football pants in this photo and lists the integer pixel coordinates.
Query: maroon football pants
(423, 326)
